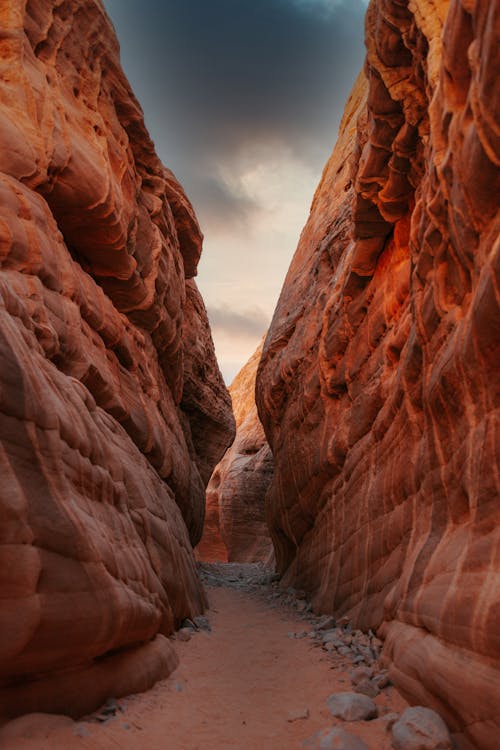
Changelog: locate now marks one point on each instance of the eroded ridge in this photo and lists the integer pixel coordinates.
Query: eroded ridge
(377, 386)
(108, 373)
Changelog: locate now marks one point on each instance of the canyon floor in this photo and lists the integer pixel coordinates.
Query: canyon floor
(259, 679)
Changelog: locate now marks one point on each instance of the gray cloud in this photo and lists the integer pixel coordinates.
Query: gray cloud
(248, 323)
(214, 76)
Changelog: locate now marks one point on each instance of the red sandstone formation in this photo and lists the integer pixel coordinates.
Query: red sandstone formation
(235, 525)
(108, 376)
(378, 385)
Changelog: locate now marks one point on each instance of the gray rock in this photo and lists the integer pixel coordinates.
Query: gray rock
(352, 706)
(184, 634)
(298, 714)
(358, 659)
(420, 728)
(331, 635)
(334, 739)
(367, 687)
(344, 621)
(361, 673)
(326, 623)
(202, 623)
(382, 681)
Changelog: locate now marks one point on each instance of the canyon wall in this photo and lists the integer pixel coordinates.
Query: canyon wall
(112, 408)
(235, 526)
(378, 384)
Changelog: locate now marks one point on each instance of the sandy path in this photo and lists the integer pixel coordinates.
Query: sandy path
(234, 689)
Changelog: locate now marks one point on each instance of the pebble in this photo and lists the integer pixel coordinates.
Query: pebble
(202, 623)
(301, 713)
(326, 623)
(367, 687)
(334, 739)
(420, 728)
(361, 673)
(352, 707)
(382, 680)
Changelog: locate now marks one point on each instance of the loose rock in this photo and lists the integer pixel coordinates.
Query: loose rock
(334, 739)
(301, 713)
(367, 687)
(352, 706)
(420, 728)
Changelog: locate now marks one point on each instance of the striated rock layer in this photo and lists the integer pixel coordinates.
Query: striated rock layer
(108, 374)
(235, 525)
(378, 384)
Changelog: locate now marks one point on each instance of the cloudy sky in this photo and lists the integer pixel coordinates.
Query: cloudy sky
(243, 100)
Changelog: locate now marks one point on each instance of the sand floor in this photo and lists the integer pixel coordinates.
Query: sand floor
(235, 689)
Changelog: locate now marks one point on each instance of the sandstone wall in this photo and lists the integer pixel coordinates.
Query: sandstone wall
(108, 375)
(236, 527)
(378, 384)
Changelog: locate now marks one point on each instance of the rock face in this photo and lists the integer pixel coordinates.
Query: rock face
(236, 528)
(378, 384)
(108, 374)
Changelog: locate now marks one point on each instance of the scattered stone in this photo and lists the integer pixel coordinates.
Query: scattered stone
(330, 646)
(184, 634)
(334, 739)
(420, 728)
(352, 707)
(202, 623)
(361, 673)
(297, 715)
(331, 635)
(326, 623)
(344, 650)
(111, 707)
(343, 622)
(382, 681)
(301, 605)
(367, 687)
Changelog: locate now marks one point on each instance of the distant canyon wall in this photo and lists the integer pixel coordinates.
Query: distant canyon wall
(113, 412)
(236, 528)
(378, 385)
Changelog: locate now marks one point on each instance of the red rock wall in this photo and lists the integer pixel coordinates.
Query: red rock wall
(235, 527)
(378, 384)
(102, 395)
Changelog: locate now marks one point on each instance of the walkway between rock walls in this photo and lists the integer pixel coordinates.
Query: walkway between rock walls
(258, 680)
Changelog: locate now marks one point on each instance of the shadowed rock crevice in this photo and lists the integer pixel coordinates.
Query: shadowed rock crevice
(236, 528)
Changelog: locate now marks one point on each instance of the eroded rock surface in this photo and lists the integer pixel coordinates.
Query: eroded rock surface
(378, 384)
(236, 528)
(108, 373)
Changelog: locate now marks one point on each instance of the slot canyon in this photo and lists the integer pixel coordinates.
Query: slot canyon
(309, 557)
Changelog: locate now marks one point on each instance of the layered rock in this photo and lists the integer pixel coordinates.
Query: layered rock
(377, 386)
(102, 396)
(235, 526)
